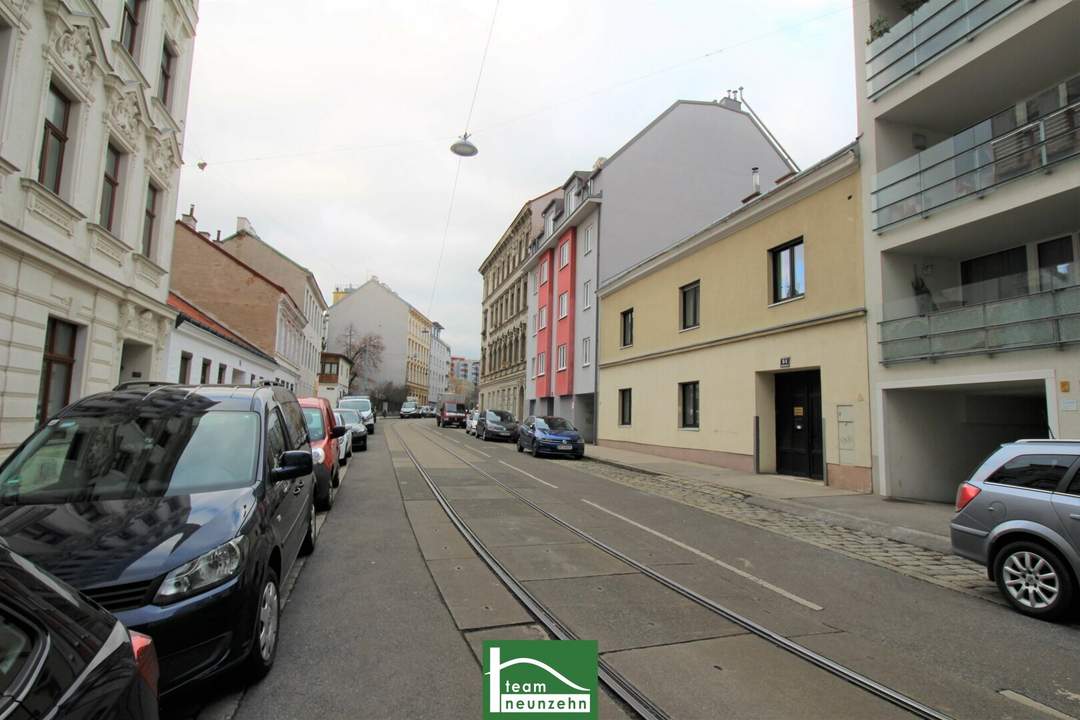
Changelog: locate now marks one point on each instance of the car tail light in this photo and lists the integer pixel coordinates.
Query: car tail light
(965, 494)
(142, 646)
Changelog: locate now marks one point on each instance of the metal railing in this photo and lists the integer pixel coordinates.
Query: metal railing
(921, 37)
(993, 316)
(972, 163)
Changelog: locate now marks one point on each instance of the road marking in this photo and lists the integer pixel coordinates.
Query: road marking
(1034, 705)
(545, 482)
(731, 568)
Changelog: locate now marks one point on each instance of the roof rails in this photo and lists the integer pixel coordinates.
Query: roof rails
(128, 384)
(1049, 441)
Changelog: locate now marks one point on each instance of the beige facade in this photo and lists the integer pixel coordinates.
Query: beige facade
(504, 343)
(418, 362)
(775, 377)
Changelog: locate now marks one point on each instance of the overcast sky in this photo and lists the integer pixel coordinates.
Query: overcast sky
(327, 122)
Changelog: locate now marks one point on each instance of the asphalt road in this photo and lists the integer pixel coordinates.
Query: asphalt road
(386, 618)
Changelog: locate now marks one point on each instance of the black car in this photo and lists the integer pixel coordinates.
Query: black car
(550, 435)
(62, 656)
(178, 509)
(496, 425)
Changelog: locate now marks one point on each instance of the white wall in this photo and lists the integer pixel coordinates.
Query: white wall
(372, 308)
(242, 367)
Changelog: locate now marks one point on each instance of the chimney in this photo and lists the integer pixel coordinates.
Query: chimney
(757, 185)
(219, 236)
(243, 225)
(731, 101)
(188, 219)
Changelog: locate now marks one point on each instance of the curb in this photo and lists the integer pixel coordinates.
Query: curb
(624, 466)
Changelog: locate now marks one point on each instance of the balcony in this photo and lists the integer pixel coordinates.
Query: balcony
(923, 36)
(994, 316)
(975, 161)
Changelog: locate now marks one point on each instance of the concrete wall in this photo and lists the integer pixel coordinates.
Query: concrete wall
(687, 170)
(373, 308)
(586, 307)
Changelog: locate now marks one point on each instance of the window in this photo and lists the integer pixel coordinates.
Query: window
(588, 240)
(532, 367)
(570, 200)
(130, 27)
(627, 330)
(275, 437)
(54, 142)
(561, 357)
(625, 403)
(165, 82)
(564, 302)
(185, 368)
(541, 361)
(586, 291)
(789, 273)
(536, 281)
(151, 219)
(995, 276)
(1056, 263)
(586, 351)
(543, 272)
(689, 300)
(543, 317)
(1036, 472)
(564, 254)
(57, 364)
(688, 405)
(549, 223)
(110, 187)
(221, 374)
(204, 376)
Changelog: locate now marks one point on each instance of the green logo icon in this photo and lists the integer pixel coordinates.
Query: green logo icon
(540, 679)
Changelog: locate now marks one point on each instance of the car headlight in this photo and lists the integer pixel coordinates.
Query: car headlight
(317, 455)
(204, 572)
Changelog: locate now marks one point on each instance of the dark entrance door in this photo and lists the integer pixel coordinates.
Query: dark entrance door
(798, 424)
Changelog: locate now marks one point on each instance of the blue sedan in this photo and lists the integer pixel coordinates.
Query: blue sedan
(550, 436)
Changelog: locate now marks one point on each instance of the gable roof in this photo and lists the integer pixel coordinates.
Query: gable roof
(200, 318)
(298, 266)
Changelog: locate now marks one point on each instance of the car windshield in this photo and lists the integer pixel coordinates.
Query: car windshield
(349, 416)
(314, 419)
(500, 416)
(409, 406)
(554, 424)
(338, 418)
(453, 407)
(117, 457)
(360, 404)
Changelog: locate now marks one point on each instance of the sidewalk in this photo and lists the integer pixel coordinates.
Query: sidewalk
(922, 524)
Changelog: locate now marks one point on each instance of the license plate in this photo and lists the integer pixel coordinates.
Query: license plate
(566, 446)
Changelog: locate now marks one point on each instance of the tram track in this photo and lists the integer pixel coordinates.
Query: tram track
(619, 685)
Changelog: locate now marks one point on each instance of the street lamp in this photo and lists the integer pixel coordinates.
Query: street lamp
(463, 147)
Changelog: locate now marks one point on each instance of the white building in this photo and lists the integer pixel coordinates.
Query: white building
(969, 119)
(438, 365)
(93, 97)
(202, 349)
(334, 373)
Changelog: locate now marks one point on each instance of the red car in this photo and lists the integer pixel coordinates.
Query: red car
(451, 413)
(323, 431)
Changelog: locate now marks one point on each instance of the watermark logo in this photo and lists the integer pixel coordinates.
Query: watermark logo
(540, 679)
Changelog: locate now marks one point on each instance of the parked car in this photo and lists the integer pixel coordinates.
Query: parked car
(361, 404)
(550, 435)
(179, 509)
(451, 413)
(63, 656)
(470, 422)
(1019, 516)
(427, 411)
(345, 442)
(324, 433)
(409, 410)
(354, 421)
(496, 425)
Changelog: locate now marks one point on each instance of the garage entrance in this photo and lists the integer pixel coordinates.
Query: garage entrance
(935, 436)
(798, 424)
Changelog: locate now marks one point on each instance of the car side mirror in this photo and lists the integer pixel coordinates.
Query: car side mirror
(293, 464)
(337, 431)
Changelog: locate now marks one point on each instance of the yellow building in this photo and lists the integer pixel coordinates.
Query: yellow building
(418, 343)
(745, 345)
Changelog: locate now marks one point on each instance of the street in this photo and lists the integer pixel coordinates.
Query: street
(386, 618)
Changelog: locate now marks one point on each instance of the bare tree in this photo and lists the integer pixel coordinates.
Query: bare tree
(365, 353)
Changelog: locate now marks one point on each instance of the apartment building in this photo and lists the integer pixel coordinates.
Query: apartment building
(739, 346)
(374, 308)
(689, 166)
(438, 365)
(203, 349)
(971, 217)
(93, 97)
(246, 245)
(251, 304)
(503, 337)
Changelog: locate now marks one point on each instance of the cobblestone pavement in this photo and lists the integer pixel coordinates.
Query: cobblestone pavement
(948, 571)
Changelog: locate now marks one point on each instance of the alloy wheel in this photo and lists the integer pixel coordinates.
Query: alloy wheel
(269, 611)
(1031, 580)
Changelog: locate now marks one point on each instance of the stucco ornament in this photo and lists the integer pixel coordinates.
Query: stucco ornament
(17, 8)
(161, 158)
(125, 115)
(74, 48)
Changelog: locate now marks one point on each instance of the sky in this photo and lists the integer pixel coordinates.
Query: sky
(327, 123)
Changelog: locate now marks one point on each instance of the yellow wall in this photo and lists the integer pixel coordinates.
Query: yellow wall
(735, 276)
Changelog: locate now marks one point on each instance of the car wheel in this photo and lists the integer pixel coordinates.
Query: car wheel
(371, 429)
(324, 495)
(267, 623)
(363, 446)
(533, 451)
(519, 448)
(309, 538)
(1034, 580)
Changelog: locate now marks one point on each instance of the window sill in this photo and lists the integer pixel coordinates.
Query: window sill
(789, 300)
(625, 426)
(108, 245)
(50, 206)
(626, 347)
(690, 429)
(692, 327)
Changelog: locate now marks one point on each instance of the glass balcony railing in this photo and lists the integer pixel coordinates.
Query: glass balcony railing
(921, 37)
(988, 317)
(973, 162)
